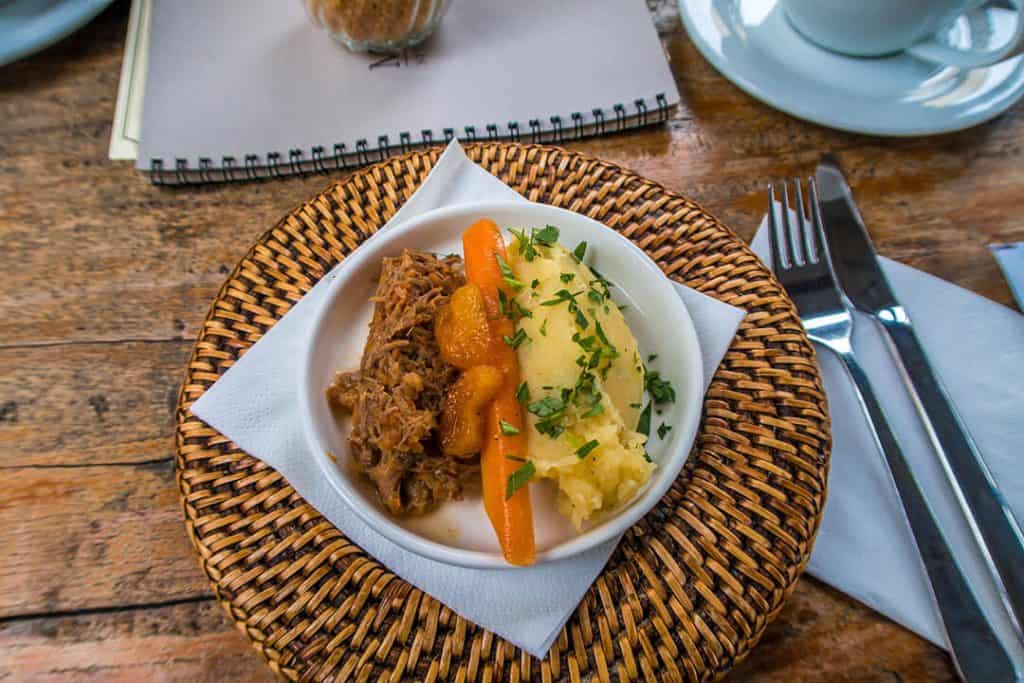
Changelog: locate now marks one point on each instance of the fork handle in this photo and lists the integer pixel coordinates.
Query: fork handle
(977, 652)
(992, 515)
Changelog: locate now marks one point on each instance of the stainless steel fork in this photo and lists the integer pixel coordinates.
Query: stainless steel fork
(802, 267)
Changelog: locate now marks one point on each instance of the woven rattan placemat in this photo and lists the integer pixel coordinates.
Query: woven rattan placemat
(691, 587)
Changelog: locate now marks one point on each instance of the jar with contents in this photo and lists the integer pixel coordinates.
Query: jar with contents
(377, 25)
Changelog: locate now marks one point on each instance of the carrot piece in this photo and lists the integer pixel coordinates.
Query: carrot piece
(503, 454)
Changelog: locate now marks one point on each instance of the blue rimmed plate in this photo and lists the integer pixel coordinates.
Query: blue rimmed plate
(27, 26)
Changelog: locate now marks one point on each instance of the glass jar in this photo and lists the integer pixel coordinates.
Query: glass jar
(377, 25)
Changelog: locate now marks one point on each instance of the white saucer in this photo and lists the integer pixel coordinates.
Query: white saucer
(753, 45)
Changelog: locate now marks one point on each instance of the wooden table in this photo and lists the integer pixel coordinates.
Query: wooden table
(106, 279)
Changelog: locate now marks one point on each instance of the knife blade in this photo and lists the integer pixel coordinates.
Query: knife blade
(855, 265)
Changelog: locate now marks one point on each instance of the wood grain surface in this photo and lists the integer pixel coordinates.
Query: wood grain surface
(106, 279)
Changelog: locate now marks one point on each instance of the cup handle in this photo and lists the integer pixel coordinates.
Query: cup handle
(933, 51)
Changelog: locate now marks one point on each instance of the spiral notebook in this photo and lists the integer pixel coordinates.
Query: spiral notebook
(250, 89)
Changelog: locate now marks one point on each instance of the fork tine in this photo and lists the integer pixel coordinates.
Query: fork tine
(819, 228)
(787, 228)
(778, 262)
(806, 238)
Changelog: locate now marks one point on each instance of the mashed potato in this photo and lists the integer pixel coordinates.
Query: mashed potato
(580, 364)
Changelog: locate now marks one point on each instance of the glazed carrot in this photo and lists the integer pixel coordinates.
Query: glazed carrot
(503, 454)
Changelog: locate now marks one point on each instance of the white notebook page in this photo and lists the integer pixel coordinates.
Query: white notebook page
(241, 77)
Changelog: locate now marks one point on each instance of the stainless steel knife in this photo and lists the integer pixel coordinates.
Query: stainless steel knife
(860, 276)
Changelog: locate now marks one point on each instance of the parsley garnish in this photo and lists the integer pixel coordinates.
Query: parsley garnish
(663, 430)
(518, 338)
(507, 275)
(579, 251)
(661, 389)
(584, 450)
(581, 319)
(525, 244)
(601, 335)
(519, 478)
(547, 235)
(643, 425)
(561, 296)
(651, 358)
(595, 409)
(515, 458)
(566, 277)
(635, 405)
(544, 328)
(509, 430)
(586, 343)
(550, 410)
(547, 406)
(535, 284)
(520, 311)
(523, 393)
(503, 304)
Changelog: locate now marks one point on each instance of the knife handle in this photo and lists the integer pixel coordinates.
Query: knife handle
(977, 653)
(991, 513)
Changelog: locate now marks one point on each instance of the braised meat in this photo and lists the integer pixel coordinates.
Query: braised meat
(398, 391)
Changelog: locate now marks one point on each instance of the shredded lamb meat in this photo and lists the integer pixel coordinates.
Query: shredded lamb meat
(396, 395)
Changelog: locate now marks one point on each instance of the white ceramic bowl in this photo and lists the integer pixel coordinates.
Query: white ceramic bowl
(459, 532)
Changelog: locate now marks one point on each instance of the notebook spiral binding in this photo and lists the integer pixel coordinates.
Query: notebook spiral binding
(341, 158)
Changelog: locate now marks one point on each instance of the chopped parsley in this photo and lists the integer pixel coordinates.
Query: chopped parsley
(651, 358)
(579, 252)
(635, 405)
(566, 277)
(535, 284)
(518, 338)
(523, 393)
(526, 249)
(584, 450)
(503, 309)
(518, 309)
(601, 335)
(547, 406)
(544, 328)
(586, 343)
(561, 296)
(551, 411)
(507, 275)
(581, 319)
(519, 479)
(515, 458)
(547, 235)
(661, 389)
(643, 425)
(509, 430)
(663, 430)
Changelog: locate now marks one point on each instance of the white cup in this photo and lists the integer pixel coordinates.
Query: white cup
(871, 28)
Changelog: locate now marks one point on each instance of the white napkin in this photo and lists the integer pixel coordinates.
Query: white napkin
(864, 547)
(255, 404)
